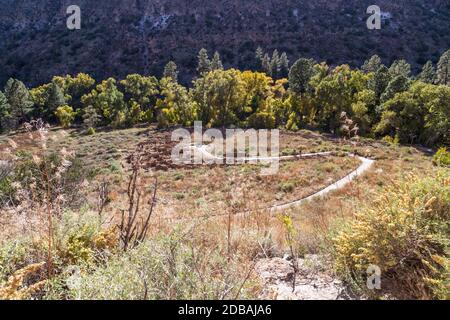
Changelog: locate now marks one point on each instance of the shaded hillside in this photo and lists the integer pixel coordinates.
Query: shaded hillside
(122, 37)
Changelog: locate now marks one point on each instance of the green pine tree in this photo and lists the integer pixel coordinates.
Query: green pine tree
(55, 100)
(300, 75)
(90, 117)
(170, 71)
(5, 111)
(19, 100)
(428, 74)
(372, 65)
(396, 85)
(216, 63)
(400, 68)
(379, 82)
(284, 62)
(275, 65)
(204, 64)
(266, 66)
(259, 54)
(443, 69)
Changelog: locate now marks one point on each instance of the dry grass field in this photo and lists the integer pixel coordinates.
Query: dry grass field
(212, 209)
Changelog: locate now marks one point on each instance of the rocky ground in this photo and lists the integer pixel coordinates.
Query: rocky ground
(312, 281)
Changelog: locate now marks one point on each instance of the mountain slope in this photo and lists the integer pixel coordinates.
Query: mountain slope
(121, 37)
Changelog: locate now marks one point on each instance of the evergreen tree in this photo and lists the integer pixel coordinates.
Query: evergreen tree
(300, 75)
(372, 65)
(90, 117)
(428, 73)
(400, 68)
(170, 71)
(259, 54)
(4, 112)
(55, 100)
(204, 64)
(284, 62)
(266, 65)
(396, 85)
(216, 63)
(19, 100)
(443, 69)
(379, 82)
(275, 65)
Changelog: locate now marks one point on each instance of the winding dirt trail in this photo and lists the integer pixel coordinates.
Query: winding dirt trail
(366, 164)
(276, 272)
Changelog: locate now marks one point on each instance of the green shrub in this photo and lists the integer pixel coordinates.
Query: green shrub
(405, 232)
(14, 254)
(79, 238)
(90, 131)
(7, 191)
(442, 157)
(164, 268)
(286, 187)
(391, 141)
(288, 152)
(65, 115)
(71, 174)
(262, 120)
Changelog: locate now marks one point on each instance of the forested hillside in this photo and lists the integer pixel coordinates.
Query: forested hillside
(376, 101)
(137, 36)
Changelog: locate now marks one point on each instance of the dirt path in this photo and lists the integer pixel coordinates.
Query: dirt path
(276, 274)
(366, 164)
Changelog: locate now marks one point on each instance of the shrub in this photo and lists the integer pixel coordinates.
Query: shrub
(65, 115)
(262, 120)
(80, 238)
(286, 187)
(391, 141)
(90, 131)
(7, 191)
(14, 254)
(68, 175)
(442, 157)
(406, 233)
(16, 288)
(164, 268)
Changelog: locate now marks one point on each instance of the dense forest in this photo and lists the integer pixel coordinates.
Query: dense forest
(376, 100)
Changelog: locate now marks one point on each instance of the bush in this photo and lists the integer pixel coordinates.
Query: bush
(164, 268)
(286, 187)
(406, 233)
(90, 131)
(14, 254)
(391, 141)
(7, 191)
(80, 239)
(70, 173)
(262, 120)
(65, 115)
(442, 157)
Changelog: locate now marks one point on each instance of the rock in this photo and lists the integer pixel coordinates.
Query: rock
(311, 282)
